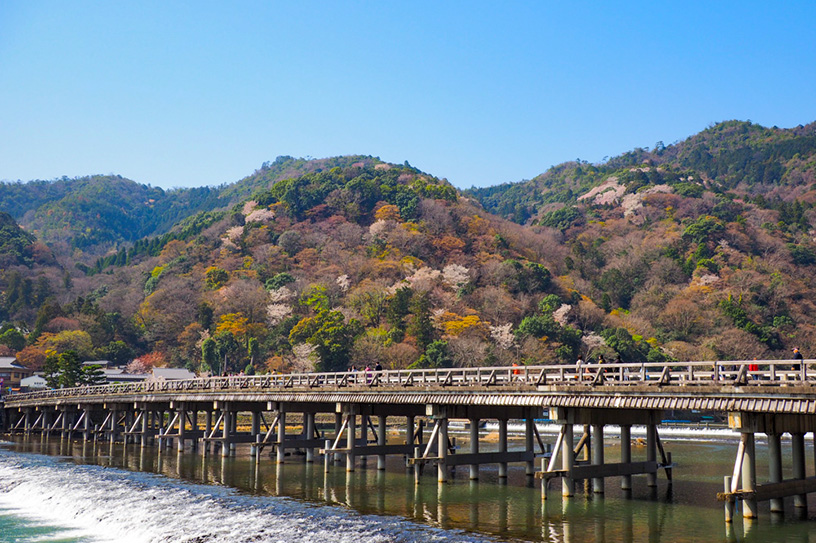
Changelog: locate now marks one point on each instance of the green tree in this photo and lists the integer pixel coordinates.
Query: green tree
(14, 339)
(435, 356)
(209, 356)
(70, 369)
(421, 326)
(51, 371)
(279, 280)
(118, 352)
(397, 309)
(91, 374)
(332, 337)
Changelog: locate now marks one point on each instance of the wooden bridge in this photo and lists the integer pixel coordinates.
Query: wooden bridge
(775, 397)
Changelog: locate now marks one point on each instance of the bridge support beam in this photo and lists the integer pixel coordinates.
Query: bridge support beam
(651, 453)
(441, 419)
(281, 445)
(529, 445)
(775, 469)
(503, 447)
(598, 456)
(381, 440)
(474, 447)
(626, 454)
(567, 461)
(351, 436)
(594, 469)
(798, 456)
(228, 415)
(310, 434)
(744, 485)
(749, 509)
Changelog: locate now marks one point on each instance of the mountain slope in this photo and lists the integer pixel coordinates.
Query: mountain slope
(646, 257)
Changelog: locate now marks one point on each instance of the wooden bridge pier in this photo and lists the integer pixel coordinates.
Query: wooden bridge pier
(448, 458)
(742, 484)
(594, 469)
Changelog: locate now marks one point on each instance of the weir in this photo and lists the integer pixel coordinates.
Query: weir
(345, 418)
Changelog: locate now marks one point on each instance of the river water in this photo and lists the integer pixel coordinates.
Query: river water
(69, 491)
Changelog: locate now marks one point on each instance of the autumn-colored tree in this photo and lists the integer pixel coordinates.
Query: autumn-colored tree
(77, 341)
(235, 324)
(388, 212)
(33, 357)
(215, 277)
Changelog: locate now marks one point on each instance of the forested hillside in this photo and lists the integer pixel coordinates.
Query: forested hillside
(699, 250)
(89, 216)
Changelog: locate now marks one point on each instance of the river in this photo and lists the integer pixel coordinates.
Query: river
(69, 491)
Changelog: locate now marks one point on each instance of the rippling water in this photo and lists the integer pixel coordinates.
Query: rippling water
(81, 492)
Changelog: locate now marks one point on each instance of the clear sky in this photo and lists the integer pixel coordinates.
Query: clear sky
(202, 93)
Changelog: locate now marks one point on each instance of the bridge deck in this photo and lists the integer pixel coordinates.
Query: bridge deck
(718, 386)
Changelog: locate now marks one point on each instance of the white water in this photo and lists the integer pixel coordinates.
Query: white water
(98, 504)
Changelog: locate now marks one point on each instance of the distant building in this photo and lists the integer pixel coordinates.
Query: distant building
(11, 373)
(101, 363)
(35, 382)
(171, 374)
(118, 375)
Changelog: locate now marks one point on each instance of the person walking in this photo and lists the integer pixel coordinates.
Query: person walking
(798, 357)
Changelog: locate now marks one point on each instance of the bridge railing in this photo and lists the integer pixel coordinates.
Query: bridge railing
(753, 372)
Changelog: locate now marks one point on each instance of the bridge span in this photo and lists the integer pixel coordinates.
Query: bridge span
(334, 414)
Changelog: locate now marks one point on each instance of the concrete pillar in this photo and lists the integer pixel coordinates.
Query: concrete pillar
(729, 505)
(529, 446)
(502, 447)
(281, 448)
(749, 505)
(651, 453)
(86, 429)
(798, 444)
(775, 469)
(145, 421)
(255, 431)
(194, 419)
(225, 444)
(442, 450)
(113, 426)
(626, 454)
(310, 433)
(474, 447)
(338, 423)
(598, 456)
(46, 422)
(381, 438)
(567, 462)
(208, 416)
(351, 439)
(409, 436)
(182, 414)
(27, 423)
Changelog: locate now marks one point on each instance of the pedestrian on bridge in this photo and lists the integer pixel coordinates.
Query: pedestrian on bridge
(798, 357)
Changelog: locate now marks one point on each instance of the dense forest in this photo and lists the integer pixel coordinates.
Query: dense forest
(699, 250)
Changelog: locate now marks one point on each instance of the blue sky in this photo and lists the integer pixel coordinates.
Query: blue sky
(202, 93)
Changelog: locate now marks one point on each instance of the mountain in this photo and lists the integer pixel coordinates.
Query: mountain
(741, 157)
(699, 250)
(97, 213)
